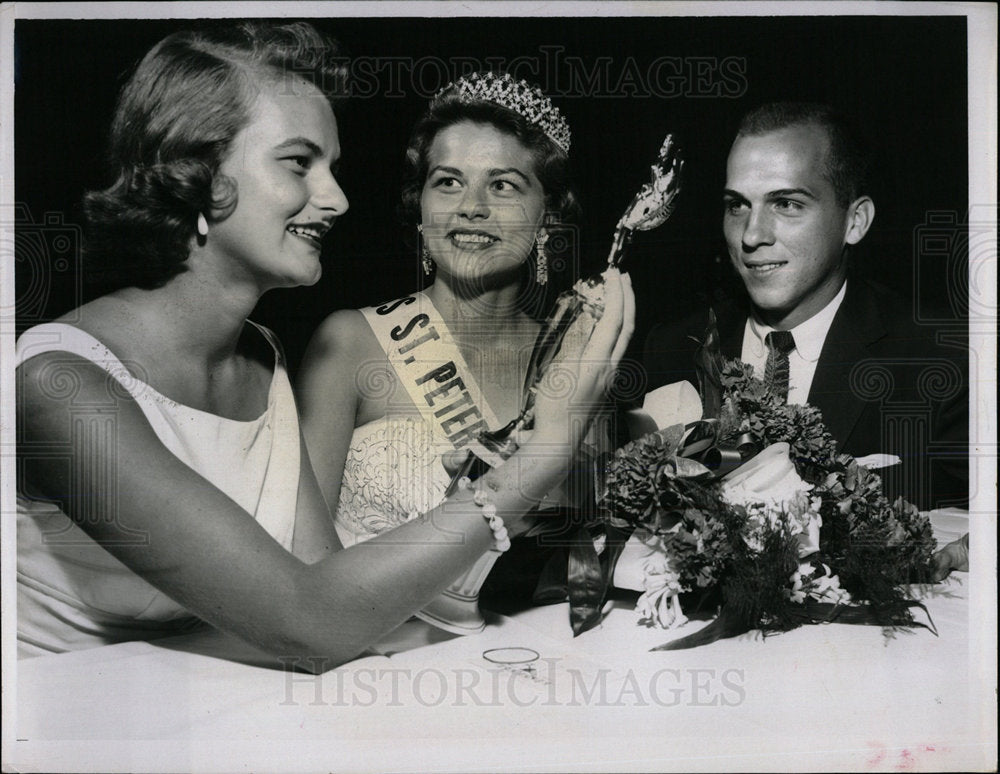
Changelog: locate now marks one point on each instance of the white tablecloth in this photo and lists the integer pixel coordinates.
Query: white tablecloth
(819, 697)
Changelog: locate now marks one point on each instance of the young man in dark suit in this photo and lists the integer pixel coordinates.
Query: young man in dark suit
(795, 202)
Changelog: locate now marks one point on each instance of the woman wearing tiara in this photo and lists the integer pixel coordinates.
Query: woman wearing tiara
(162, 474)
(486, 178)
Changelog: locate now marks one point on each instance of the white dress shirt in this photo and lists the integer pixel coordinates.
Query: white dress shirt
(809, 337)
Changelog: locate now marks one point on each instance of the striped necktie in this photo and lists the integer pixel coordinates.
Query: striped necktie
(779, 344)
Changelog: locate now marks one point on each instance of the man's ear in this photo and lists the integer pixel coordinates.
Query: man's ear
(860, 215)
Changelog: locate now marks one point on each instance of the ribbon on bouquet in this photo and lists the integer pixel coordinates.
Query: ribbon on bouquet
(700, 442)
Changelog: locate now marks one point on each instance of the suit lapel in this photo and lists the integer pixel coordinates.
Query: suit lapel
(856, 325)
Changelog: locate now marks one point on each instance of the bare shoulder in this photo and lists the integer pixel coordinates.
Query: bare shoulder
(345, 333)
(332, 362)
(54, 380)
(67, 402)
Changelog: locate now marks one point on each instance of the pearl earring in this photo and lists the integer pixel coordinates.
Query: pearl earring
(202, 225)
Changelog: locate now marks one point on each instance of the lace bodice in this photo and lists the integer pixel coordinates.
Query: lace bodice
(392, 473)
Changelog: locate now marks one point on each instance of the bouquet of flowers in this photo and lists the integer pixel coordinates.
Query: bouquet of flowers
(791, 534)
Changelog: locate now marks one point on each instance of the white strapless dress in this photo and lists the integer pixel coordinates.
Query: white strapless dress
(71, 593)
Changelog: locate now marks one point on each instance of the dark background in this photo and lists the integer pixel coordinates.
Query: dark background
(902, 79)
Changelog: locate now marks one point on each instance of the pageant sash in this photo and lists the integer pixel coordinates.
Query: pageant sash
(430, 366)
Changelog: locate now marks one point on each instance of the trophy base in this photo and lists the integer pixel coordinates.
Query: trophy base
(456, 609)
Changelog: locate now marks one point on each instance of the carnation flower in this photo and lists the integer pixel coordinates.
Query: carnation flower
(633, 477)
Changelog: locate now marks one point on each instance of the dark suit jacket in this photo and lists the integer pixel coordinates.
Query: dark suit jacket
(883, 384)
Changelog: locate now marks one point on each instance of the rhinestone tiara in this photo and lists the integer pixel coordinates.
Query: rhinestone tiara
(519, 96)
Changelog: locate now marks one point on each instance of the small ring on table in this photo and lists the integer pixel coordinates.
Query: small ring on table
(511, 662)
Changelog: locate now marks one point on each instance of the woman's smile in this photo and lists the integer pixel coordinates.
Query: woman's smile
(312, 233)
(472, 240)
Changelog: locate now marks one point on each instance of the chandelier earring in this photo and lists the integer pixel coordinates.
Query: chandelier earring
(425, 255)
(541, 259)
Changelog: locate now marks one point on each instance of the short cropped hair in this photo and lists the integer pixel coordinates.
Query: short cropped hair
(551, 161)
(848, 162)
(175, 122)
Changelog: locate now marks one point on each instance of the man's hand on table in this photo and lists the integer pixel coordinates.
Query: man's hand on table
(954, 556)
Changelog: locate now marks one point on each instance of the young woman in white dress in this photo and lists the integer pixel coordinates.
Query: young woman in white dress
(163, 478)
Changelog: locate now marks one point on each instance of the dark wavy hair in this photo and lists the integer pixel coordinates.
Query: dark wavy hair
(848, 161)
(175, 121)
(448, 109)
